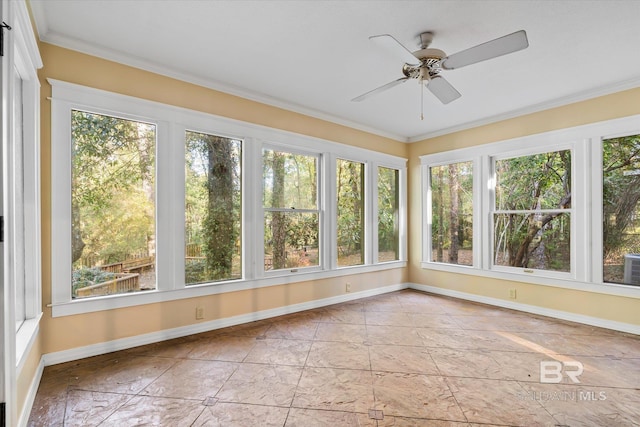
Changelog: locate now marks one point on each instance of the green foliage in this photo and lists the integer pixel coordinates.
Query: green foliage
(621, 194)
(90, 276)
(350, 219)
(388, 203)
(452, 210)
(113, 185)
(289, 182)
(213, 206)
(535, 182)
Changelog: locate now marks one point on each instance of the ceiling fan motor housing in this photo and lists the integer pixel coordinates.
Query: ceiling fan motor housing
(429, 64)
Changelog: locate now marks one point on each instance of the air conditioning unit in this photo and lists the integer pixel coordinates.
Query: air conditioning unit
(632, 269)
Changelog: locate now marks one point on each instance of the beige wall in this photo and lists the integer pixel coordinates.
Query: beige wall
(67, 332)
(615, 308)
(64, 333)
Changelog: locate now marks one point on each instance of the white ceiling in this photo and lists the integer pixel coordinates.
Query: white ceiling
(314, 56)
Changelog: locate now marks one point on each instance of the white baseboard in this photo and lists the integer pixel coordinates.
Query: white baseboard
(130, 342)
(558, 314)
(23, 419)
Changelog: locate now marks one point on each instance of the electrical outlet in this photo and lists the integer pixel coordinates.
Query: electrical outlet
(199, 313)
(512, 294)
(347, 287)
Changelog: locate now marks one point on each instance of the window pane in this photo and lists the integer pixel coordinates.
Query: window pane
(621, 213)
(291, 240)
(213, 208)
(113, 205)
(533, 240)
(540, 181)
(290, 180)
(388, 211)
(350, 220)
(452, 213)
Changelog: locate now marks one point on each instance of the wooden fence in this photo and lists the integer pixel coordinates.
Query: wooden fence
(124, 282)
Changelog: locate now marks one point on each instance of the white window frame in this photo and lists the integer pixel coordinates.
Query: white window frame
(322, 253)
(402, 213)
(366, 207)
(427, 209)
(585, 143)
(26, 59)
(576, 194)
(179, 249)
(172, 122)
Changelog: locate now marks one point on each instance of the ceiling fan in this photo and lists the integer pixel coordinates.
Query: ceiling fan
(426, 64)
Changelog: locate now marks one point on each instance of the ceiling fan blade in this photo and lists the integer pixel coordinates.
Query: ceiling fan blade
(442, 89)
(501, 46)
(395, 47)
(379, 89)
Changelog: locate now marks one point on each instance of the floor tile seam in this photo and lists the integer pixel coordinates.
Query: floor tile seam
(188, 399)
(343, 323)
(584, 385)
(483, 349)
(455, 399)
(328, 410)
(306, 359)
(116, 409)
(204, 408)
(157, 377)
(336, 368)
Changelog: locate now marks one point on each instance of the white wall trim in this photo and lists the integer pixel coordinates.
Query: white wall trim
(558, 314)
(31, 395)
(130, 342)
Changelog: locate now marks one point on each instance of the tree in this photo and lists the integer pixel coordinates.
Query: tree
(212, 190)
(350, 225)
(533, 183)
(621, 194)
(113, 171)
(278, 219)
(454, 221)
(388, 202)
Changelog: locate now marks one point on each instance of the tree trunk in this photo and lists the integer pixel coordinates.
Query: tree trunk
(440, 237)
(278, 219)
(453, 214)
(77, 244)
(220, 235)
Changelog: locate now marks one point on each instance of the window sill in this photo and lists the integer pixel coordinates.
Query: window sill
(150, 297)
(601, 288)
(24, 340)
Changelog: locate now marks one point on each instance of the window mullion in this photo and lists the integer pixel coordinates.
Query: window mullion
(252, 212)
(170, 206)
(329, 206)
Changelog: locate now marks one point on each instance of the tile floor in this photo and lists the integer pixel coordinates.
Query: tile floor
(401, 359)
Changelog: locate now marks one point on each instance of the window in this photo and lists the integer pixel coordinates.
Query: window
(532, 218)
(20, 189)
(558, 209)
(290, 201)
(351, 209)
(213, 208)
(152, 202)
(112, 205)
(388, 214)
(621, 209)
(452, 213)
